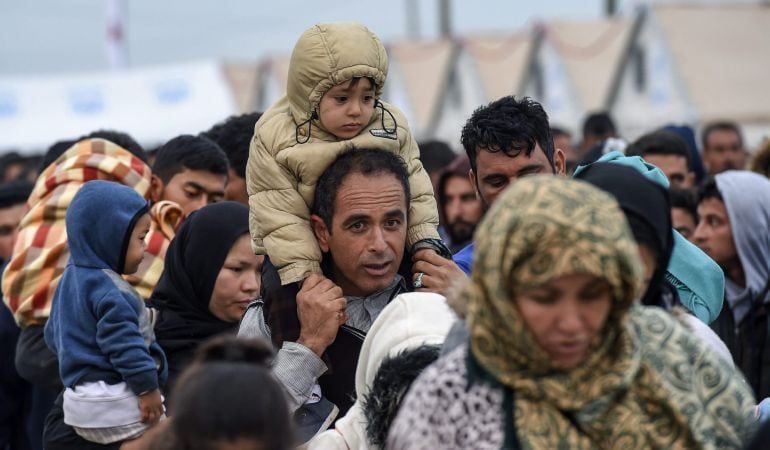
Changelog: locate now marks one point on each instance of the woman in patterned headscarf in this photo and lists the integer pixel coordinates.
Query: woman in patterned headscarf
(560, 355)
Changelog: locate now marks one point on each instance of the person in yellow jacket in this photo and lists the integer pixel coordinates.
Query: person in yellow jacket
(332, 103)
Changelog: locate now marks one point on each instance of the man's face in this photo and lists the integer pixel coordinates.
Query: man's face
(675, 168)
(236, 189)
(496, 170)
(9, 228)
(723, 151)
(190, 189)
(714, 235)
(368, 233)
(683, 222)
(462, 209)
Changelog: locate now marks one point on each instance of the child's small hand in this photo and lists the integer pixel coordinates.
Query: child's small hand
(151, 405)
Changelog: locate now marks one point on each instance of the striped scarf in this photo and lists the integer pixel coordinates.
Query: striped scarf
(40, 254)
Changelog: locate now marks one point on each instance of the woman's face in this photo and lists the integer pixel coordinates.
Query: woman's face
(566, 315)
(238, 282)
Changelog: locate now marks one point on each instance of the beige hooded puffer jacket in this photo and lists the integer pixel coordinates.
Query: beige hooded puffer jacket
(285, 163)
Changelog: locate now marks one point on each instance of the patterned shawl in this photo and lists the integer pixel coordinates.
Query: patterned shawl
(646, 383)
(40, 254)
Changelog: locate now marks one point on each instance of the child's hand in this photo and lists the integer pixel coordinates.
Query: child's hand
(151, 405)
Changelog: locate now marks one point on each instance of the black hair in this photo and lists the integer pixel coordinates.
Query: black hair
(558, 131)
(394, 377)
(14, 193)
(435, 155)
(709, 189)
(122, 140)
(660, 143)
(227, 402)
(234, 137)
(192, 153)
(721, 125)
(599, 124)
(228, 394)
(684, 199)
(366, 161)
(510, 126)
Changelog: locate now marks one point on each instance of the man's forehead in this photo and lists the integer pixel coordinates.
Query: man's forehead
(369, 195)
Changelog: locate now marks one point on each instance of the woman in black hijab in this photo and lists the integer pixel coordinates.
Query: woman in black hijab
(209, 278)
(648, 211)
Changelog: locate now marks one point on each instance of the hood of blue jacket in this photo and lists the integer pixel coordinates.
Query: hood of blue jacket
(99, 222)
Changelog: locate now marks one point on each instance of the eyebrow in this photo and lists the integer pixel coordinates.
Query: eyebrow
(199, 187)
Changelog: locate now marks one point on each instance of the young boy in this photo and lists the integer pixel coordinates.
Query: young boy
(332, 103)
(99, 328)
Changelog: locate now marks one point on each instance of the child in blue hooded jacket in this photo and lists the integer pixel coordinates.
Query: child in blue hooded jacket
(99, 327)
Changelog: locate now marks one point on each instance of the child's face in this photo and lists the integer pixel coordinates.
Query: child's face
(347, 108)
(136, 245)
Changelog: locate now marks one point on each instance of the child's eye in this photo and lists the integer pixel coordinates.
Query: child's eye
(341, 99)
(369, 98)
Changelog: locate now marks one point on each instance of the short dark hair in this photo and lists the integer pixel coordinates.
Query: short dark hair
(720, 125)
(510, 126)
(189, 152)
(559, 131)
(119, 138)
(709, 189)
(435, 155)
(599, 124)
(684, 199)
(366, 161)
(14, 193)
(660, 143)
(234, 137)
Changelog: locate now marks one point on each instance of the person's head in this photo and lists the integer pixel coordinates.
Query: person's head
(723, 149)
(190, 171)
(228, 399)
(404, 339)
(359, 216)
(669, 153)
(122, 140)
(13, 206)
(596, 128)
(210, 273)
(684, 212)
(556, 270)
(234, 137)
(460, 209)
(506, 140)
(106, 226)
(760, 162)
(735, 215)
(648, 212)
(336, 74)
(435, 157)
(11, 166)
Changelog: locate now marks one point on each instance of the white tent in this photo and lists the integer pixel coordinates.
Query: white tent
(152, 105)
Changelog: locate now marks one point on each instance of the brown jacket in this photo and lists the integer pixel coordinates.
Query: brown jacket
(285, 163)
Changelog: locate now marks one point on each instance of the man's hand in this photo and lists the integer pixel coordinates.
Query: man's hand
(439, 272)
(321, 310)
(151, 406)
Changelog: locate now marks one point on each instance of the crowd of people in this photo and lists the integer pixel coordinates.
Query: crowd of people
(313, 277)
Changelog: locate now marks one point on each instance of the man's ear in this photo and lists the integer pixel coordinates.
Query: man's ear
(321, 232)
(156, 188)
(560, 162)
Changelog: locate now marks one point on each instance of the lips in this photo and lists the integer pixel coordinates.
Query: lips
(351, 127)
(378, 269)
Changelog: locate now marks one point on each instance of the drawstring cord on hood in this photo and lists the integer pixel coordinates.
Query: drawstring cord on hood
(314, 116)
(379, 104)
(309, 123)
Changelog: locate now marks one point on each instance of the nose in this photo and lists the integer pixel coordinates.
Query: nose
(354, 109)
(377, 242)
(251, 282)
(700, 232)
(569, 320)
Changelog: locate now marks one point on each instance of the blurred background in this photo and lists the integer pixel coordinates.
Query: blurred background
(159, 69)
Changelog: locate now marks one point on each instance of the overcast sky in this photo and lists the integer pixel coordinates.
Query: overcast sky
(48, 36)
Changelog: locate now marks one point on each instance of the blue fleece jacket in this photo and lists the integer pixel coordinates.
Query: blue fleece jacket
(99, 327)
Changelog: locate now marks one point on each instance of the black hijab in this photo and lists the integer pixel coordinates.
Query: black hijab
(193, 261)
(648, 211)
